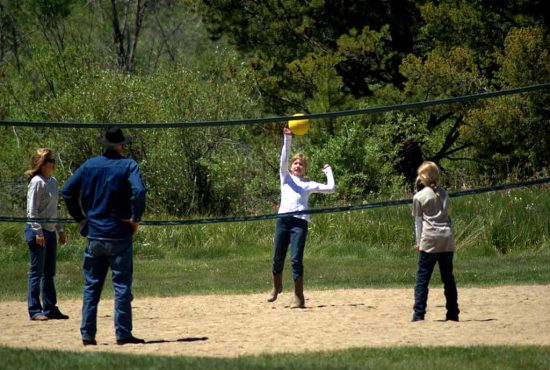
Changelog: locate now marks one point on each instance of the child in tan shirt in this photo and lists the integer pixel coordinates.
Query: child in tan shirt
(434, 242)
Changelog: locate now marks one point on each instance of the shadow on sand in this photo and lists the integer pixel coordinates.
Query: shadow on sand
(190, 339)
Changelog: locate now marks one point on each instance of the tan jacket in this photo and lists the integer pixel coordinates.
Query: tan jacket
(432, 206)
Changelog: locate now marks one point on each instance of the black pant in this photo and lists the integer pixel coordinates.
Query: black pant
(426, 264)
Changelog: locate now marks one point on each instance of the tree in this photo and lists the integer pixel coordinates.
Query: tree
(125, 38)
(20, 19)
(276, 34)
(513, 133)
(461, 55)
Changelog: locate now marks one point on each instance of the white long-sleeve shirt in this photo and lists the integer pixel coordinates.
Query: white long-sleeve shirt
(42, 197)
(295, 190)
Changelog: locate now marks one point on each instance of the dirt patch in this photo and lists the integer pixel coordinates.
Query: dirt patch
(238, 325)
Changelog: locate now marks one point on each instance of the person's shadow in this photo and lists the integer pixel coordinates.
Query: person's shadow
(190, 339)
(470, 320)
(334, 305)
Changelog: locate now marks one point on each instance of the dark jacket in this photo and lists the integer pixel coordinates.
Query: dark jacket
(106, 190)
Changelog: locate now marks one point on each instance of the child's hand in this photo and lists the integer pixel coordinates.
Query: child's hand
(62, 238)
(325, 166)
(286, 131)
(417, 248)
(40, 240)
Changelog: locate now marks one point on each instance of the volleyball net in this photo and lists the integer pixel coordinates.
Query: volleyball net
(13, 190)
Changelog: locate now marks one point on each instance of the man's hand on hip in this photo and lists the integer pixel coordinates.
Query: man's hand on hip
(134, 225)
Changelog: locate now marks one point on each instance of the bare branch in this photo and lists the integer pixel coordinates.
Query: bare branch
(140, 13)
(450, 139)
(117, 35)
(164, 38)
(458, 149)
(434, 121)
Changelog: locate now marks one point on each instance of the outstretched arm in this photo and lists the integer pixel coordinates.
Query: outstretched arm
(285, 153)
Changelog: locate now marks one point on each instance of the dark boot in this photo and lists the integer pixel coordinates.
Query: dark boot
(131, 340)
(277, 287)
(299, 299)
(55, 314)
(451, 317)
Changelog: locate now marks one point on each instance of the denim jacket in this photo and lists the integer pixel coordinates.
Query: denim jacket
(106, 190)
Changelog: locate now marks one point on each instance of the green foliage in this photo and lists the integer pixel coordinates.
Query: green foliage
(183, 167)
(511, 132)
(279, 34)
(59, 63)
(400, 51)
(359, 160)
(524, 58)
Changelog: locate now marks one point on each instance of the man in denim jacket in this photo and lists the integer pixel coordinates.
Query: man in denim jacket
(107, 197)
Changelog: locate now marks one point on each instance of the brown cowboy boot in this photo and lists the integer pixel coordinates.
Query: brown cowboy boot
(277, 287)
(299, 299)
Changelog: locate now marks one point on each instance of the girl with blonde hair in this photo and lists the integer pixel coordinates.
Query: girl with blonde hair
(42, 196)
(434, 241)
(292, 229)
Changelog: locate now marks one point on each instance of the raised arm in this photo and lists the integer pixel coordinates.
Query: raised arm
(330, 186)
(285, 153)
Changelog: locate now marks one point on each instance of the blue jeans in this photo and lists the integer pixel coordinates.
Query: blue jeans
(291, 230)
(426, 264)
(99, 256)
(41, 274)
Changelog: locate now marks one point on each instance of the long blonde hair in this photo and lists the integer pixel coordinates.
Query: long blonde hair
(38, 159)
(428, 174)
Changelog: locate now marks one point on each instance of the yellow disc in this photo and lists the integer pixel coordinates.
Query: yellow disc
(299, 127)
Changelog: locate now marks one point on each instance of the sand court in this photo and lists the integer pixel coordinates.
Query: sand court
(245, 324)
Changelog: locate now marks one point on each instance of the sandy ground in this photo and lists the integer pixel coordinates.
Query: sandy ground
(237, 325)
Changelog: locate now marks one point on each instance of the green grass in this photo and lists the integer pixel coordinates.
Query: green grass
(531, 358)
(173, 277)
(492, 224)
(503, 238)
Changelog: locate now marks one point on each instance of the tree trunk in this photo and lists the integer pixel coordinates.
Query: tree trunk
(125, 40)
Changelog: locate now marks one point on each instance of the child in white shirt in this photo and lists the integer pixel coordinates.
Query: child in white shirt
(292, 229)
